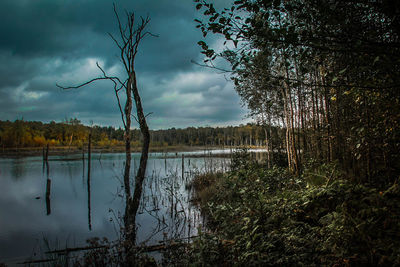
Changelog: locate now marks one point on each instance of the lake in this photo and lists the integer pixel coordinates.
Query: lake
(77, 208)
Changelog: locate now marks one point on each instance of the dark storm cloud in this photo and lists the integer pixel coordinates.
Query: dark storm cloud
(46, 42)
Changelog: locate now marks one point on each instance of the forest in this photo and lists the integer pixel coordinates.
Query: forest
(25, 134)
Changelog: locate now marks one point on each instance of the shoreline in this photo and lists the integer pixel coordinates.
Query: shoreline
(73, 150)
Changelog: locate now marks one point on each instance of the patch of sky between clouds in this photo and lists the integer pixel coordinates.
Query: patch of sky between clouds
(21, 95)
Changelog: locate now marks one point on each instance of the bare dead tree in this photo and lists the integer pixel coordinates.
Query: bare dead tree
(131, 33)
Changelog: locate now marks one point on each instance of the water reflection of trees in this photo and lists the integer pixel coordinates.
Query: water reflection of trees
(19, 168)
(165, 212)
(166, 199)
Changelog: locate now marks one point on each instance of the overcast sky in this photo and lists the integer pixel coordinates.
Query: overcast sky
(44, 42)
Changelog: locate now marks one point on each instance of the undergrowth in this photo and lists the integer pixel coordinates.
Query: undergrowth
(268, 217)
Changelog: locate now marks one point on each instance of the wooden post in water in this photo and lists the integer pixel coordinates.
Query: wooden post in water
(48, 187)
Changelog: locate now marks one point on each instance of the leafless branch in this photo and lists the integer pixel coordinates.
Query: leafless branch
(119, 105)
(115, 41)
(151, 34)
(116, 90)
(122, 32)
(211, 67)
(101, 69)
(83, 84)
(136, 119)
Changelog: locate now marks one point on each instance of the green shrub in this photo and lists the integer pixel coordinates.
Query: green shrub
(268, 217)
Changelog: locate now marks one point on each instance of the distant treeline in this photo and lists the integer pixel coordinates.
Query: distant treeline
(72, 132)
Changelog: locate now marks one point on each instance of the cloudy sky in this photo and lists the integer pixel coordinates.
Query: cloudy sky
(44, 42)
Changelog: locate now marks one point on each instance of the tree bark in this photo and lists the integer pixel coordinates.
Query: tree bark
(134, 202)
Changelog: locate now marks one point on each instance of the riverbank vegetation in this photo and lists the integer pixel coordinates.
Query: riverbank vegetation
(269, 217)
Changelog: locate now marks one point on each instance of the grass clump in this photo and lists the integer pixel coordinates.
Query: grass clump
(205, 186)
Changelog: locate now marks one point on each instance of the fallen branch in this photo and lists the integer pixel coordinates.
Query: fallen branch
(36, 261)
(150, 248)
(68, 250)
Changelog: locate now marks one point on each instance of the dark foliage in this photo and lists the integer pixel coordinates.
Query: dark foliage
(265, 217)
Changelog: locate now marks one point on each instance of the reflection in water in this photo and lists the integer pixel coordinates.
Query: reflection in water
(88, 181)
(167, 201)
(165, 211)
(88, 196)
(18, 169)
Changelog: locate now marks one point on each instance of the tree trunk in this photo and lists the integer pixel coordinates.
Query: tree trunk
(134, 202)
(268, 147)
(290, 141)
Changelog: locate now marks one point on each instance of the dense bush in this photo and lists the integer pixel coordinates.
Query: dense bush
(268, 217)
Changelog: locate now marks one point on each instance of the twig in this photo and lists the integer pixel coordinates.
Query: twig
(211, 67)
(36, 261)
(68, 250)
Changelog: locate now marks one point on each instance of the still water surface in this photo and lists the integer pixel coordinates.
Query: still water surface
(78, 208)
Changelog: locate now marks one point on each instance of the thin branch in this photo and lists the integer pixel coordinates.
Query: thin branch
(135, 118)
(83, 84)
(115, 41)
(110, 77)
(119, 105)
(122, 32)
(211, 67)
(114, 79)
(101, 69)
(151, 34)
